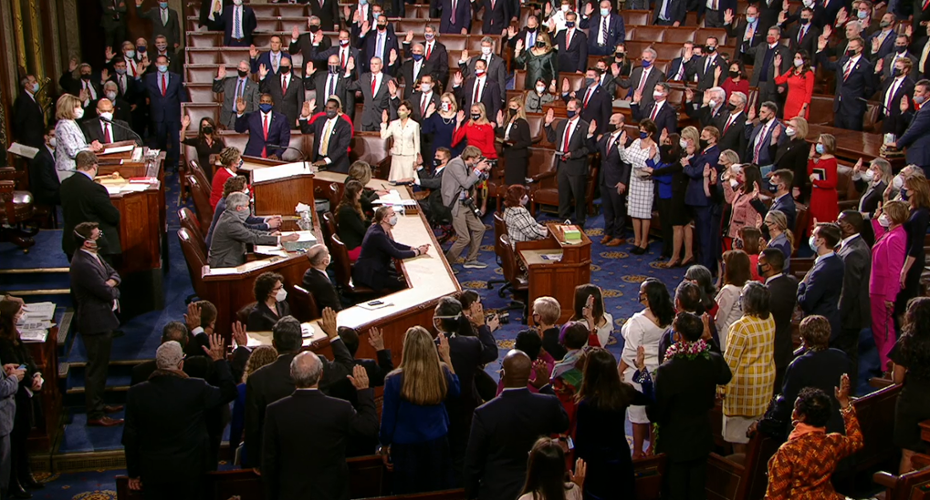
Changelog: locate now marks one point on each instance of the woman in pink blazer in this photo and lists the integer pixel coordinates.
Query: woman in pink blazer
(887, 261)
(740, 186)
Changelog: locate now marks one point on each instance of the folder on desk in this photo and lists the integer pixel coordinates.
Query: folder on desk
(23, 150)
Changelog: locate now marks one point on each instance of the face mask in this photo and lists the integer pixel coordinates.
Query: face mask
(163, 5)
(285, 69)
(884, 24)
(486, 51)
(130, 53)
(643, 135)
(162, 68)
(334, 69)
(619, 55)
(812, 242)
(375, 16)
(898, 182)
(512, 112)
(773, 188)
(570, 24)
(646, 64)
(712, 103)
(819, 149)
(403, 114)
(771, 39)
(790, 132)
(237, 2)
(314, 28)
(429, 37)
(363, 2)
(657, 95)
(425, 87)
(611, 127)
(896, 72)
(445, 106)
(565, 8)
(437, 162)
(901, 49)
(393, 220)
(540, 44)
(703, 144)
(265, 107)
(417, 57)
(106, 116)
(764, 120)
(161, 46)
(479, 72)
(475, 116)
(884, 221)
(750, 19)
(709, 49)
(868, 175)
(851, 53)
(331, 113)
(589, 81)
(524, 200)
(242, 214)
(382, 27)
(540, 89)
(734, 74)
(243, 74)
(759, 270)
(862, 14)
(343, 43)
(78, 113)
(85, 76)
(282, 293)
(206, 129)
(798, 63)
(111, 96)
(605, 12)
(53, 142)
(805, 20)
(683, 143)
(570, 113)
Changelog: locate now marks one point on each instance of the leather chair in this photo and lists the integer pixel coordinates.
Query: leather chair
(205, 39)
(197, 170)
(330, 193)
(343, 269)
(371, 148)
(519, 283)
(201, 92)
(201, 195)
(544, 190)
(303, 305)
(16, 209)
(801, 222)
(199, 111)
(500, 228)
(189, 221)
(242, 315)
(328, 227)
(195, 258)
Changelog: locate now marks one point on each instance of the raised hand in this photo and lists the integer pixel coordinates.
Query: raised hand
(186, 122)
(217, 350)
(751, 113)
(777, 61)
(875, 45)
(262, 71)
(328, 322)
(842, 392)
(548, 9)
(356, 17)
(511, 31)
(240, 105)
(375, 340)
(588, 9)
(109, 54)
(359, 377)
(689, 94)
(519, 46)
(464, 56)
(623, 138)
(566, 87)
(295, 33)
(842, 16)
(444, 349)
(409, 37)
(221, 72)
(827, 31)
(776, 133)
(305, 110)
(719, 71)
(909, 31)
(615, 70)
(640, 358)
(310, 69)
(104, 75)
(392, 87)
(317, 37)
(459, 117)
(822, 42)
(238, 334)
(366, 26)
(638, 96)
(879, 66)
(500, 118)
(904, 106)
(253, 51)
(550, 116)
(391, 59)
(346, 12)
(782, 17)
(592, 128)
(458, 79)
(192, 317)
(384, 117)
(748, 36)
(541, 370)
(430, 109)
(577, 476)
(350, 66)
(859, 165)
(72, 64)
(728, 16)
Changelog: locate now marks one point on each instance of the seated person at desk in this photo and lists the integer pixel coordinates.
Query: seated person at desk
(317, 282)
(105, 129)
(208, 142)
(361, 171)
(231, 234)
(351, 224)
(237, 184)
(231, 160)
(521, 226)
(271, 305)
(374, 268)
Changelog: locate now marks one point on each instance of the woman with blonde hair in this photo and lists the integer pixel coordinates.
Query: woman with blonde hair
(69, 136)
(405, 150)
(440, 123)
(792, 155)
(780, 236)
(361, 172)
(513, 132)
(541, 61)
(822, 171)
(261, 356)
(479, 132)
(414, 421)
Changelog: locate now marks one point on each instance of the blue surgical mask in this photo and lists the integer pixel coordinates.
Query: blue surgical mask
(646, 63)
(643, 135)
(35, 87)
(862, 14)
(570, 113)
(570, 24)
(162, 68)
(265, 107)
(750, 19)
(819, 149)
(812, 242)
(140, 49)
(605, 12)
(417, 57)
(163, 5)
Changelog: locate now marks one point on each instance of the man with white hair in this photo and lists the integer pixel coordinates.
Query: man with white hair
(712, 113)
(232, 234)
(234, 88)
(643, 79)
(317, 282)
(165, 438)
(305, 434)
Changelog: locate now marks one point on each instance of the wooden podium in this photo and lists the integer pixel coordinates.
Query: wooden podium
(278, 189)
(555, 267)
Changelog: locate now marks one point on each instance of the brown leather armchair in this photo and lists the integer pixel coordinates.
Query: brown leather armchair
(201, 195)
(192, 225)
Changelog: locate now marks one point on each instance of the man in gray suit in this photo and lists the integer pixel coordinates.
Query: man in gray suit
(286, 89)
(458, 178)
(496, 69)
(231, 234)
(234, 88)
(376, 88)
(10, 376)
(855, 305)
(771, 59)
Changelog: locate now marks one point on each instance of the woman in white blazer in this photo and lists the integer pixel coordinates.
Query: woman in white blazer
(405, 152)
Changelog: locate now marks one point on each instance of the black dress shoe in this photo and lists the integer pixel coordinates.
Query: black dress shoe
(30, 483)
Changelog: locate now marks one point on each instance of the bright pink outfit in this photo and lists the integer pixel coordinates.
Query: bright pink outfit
(888, 256)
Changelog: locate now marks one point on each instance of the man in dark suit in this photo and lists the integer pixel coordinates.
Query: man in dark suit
(783, 298)
(770, 59)
(170, 403)
(317, 282)
(883, 42)
(286, 90)
(122, 108)
(854, 83)
(234, 88)
(781, 181)
(479, 88)
(165, 97)
(308, 43)
(238, 24)
(898, 53)
(573, 46)
(733, 133)
(702, 163)
(606, 28)
(414, 68)
(681, 68)
(421, 99)
(748, 30)
(615, 177)
(343, 51)
(712, 113)
(595, 103)
(273, 381)
(643, 79)
(661, 113)
(175, 58)
(571, 160)
(83, 200)
(265, 127)
(306, 432)
(713, 12)
(893, 90)
(43, 181)
(375, 87)
(105, 129)
(94, 285)
(434, 53)
(818, 293)
(331, 138)
(706, 66)
(28, 116)
(327, 11)
(329, 80)
(854, 305)
(685, 394)
(380, 43)
(825, 13)
(271, 60)
(915, 140)
(605, 78)
(496, 16)
(456, 15)
(231, 235)
(87, 87)
(164, 21)
(494, 66)
(759, 135)
(670, 13)
(803, 36)
(504, 430)
(113, 21)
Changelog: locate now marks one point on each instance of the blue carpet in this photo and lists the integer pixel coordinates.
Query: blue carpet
(46, 252)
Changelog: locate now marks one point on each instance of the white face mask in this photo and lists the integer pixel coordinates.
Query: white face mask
(540, 88)
(898, 182)
(790, 132)
(111, 96)
(281, 295)
(53, 142)
(798, 63)
(393, 220)
(106, 116)
(78, 113)
(868, 175)
(565, 8)
(657, 95)
(683, 143)
(237, 2)
(712, 103)
(524, 200)
(486, 51)
(884, 221)
(130, 53)
(425, 87)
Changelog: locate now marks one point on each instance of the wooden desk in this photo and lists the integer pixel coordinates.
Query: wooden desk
(278, 189)
(852, 145)
(45, 354)
(556, 278)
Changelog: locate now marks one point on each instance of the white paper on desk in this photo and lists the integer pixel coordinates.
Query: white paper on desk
(552, 257)
(307, 330)
(280, 171)
(117, 149)
(396, 203)
(23, 150)
(35, 325)
(622, 104)
(40, 311)
(220, 271)
(303, 236)
(270, 250)
(130, 187)
(33, 335)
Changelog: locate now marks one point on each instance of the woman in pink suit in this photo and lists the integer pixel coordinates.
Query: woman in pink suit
(740, 186)
(887, 261)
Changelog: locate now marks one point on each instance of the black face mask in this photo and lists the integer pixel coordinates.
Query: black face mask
(475, 116)
(437, 162)
(531, 30)
(805, 20)
(540, 44)
(734, 74)
(207, 130)
(703, 144)
(85, 76)
(731, 107)
(619, 55)
(382, 27)
(850, 53)
(512, 112)
(759, 270)
(285, 69)
(314, 29)
(710, 50)
(334, 69)
(331, 113)
(901, 49)
(773, 188)
(610, 127)
(896, 72)
(243, 74)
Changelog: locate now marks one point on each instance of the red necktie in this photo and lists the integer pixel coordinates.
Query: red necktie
(423, 106)
(587, 97)
(265, 127)
(727, 127)
(849, 67)
(106, 134)
(474, 99)
(374, 82)
(655, 111)
(342, 58)
(926, 4)
(568, 128)
(568, 39)
(429, 49)
(164, 86)
(283, 85)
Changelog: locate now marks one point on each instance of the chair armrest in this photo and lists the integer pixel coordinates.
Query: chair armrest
(544, 175)
(885, 479)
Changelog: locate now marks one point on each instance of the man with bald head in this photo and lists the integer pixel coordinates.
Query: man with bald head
(317, 282)
(305, 434)
(504, 429)
(233, 88)
(105, 129)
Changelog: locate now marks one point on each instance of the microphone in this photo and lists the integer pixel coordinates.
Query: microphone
(303, 157)
(124, 127)
(881, 103)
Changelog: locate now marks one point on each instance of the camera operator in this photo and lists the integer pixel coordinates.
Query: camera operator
(458, 181)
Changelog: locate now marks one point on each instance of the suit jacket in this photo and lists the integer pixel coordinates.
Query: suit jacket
(114, 14)
(416, 99)
(634, 82)
(705, 70)
(217, 23)
(318, 81)
(675, 72)
(734, 137)
(503, 431)
(694, 195)
(858, 84)
(171, 30)
(375, 262)
(262, 318)
(685, 393)
(885, 49)
(783, 293)
(599, 106)
(287, 103)
(322, 290)
(83, 200)
(438, 60)
(374, 104)
(855, 306)
(616, 32)
(43, 179)
(340, 136)
(765, 153)
(410, 79)
(916, 140)
(227, 87)
(175, 62)
(319, 55)
(818, 293)
(463, 15)
(573, 58)
(666, 118)
(496, 18)
(496, 71)
(230, 239)
(577, 163)
(28, 121)
(304, 45)
(368, 43)
(93, 131)
(468, 355)
(490, 95)
(172, 405)
(249, 23)
(9, 386)
(807, 43)
(677, 10)
(95, 298)
(278, 132)
(167, 108)
(305, 436)
(74, 86)
(328, 13)
(738, 32)
(758, 53)
(705, 115)
(273, 382)
(613, 169)
(785, 204)
(265, 59)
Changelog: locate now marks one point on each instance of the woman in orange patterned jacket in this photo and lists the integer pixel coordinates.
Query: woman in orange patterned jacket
(801, 468)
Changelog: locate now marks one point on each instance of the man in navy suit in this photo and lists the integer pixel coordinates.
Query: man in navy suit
(264, 127)
(165, 97)
(380, 43)
(782, 201)
(749, 30)
(595, 102)
(496, 16)
(702, 163)
(733, 134)
(331, 138)
(504, 430)
(712, 113)
(894, 89)
(661, 113)
(803, 36)
(760, 135)
(28, 118)
(456, 15)
(606, 29)
(571, 160)
(915, 140)
(853, 83)
(682, 68)
(271, 60)
(818, 292)
(478, 88)
(615, 177)
(344, 50)
(238, 24)
(573, 46)
(670, 13)
(43, 182)
(883, 41)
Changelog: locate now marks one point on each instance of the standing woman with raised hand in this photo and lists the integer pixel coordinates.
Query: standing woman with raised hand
(822, 171)
(513, 132)
(441, 124)
(918, 196)
(641, 186)
(477, 131)
(405, 151)
(542, 61)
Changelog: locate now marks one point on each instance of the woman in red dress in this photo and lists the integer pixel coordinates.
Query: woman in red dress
(478, 132)
(824, 205)
(800, 80)
(736, 79)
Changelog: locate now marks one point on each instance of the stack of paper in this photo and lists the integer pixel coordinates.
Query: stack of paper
(36, 321)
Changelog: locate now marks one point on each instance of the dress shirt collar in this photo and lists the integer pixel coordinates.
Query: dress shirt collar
(513, 389)
(308, 389)
(845, 241)
(50, 150)
(824, 256)
(778, 198)
(773, 278)
(91, 177)
(854, 60)
(265, 115)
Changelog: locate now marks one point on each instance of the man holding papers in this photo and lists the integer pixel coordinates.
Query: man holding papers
(231, 234)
